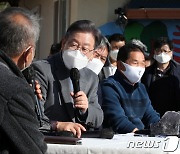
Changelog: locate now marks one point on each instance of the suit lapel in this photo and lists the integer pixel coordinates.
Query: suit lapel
(106, 72)
(83, 80)
(63, 79)
(68, 100)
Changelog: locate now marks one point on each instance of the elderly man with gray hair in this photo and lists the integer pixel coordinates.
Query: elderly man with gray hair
(19, 32)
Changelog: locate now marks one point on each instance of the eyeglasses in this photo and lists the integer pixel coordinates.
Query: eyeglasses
(76, 46)
(99, 55)
(159, 51)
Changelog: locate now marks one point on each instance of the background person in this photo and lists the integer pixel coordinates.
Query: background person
(162, 78)
(126, 104)
(68, 111)
(100, 55)
(55, 48)
(19, 32)
(116, 42)
(97, 63)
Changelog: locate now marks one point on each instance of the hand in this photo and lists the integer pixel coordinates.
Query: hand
(38, 90)
(70, 126)
(135, 129)
(80, 101)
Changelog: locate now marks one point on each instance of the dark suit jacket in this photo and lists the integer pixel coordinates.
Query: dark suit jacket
(104, 73)
(19, 132)
(55, 85)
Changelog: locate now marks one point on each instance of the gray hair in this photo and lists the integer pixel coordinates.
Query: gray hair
(140, 44)
(104, 43)
(16, 35)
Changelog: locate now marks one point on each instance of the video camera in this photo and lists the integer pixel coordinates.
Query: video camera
(122, 19)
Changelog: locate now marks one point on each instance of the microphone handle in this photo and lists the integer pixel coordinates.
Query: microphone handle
(76, 86)
(76, 89)
(29, 74)
(38, 106)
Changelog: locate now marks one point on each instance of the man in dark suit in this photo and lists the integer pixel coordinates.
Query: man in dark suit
(19, 31)
(68, 111)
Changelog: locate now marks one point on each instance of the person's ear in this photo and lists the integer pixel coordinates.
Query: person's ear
(120, 66)
(29, 54)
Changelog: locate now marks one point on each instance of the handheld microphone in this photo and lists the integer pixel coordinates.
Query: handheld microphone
(75, 76)
(29, 74)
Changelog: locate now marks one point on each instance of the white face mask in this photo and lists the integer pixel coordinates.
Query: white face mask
(74, 59)
(95, 65)
(162, 58)
(132, 73)
(113, 54)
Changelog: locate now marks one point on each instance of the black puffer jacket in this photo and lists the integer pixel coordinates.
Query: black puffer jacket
(18, 121)
(164, 92)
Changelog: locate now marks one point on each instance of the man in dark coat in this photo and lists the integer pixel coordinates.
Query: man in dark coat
(162, 78)
(19, 31)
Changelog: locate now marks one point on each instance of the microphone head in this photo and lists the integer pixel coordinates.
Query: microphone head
(29, 74)
(74, 74)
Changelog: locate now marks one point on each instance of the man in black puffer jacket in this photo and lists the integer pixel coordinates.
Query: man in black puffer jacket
(162, 78)
(19, 134)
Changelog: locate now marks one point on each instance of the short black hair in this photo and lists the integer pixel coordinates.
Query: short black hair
(125, 51)
(116, 37)
(55, 47)
(159, 42)
(84, 26)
